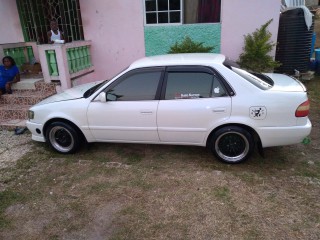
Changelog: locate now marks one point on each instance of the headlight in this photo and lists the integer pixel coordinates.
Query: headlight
(30, 114)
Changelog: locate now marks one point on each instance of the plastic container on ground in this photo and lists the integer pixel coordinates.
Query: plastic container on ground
(294, 42)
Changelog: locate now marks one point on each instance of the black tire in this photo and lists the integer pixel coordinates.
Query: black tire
(63, 138)
(232, 144)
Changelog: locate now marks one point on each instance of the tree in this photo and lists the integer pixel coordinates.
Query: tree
(256, 48)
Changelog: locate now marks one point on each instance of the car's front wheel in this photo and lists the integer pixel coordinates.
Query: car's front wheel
(232, 144)
(62, 137)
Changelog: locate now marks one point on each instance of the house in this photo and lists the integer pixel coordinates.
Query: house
(105, 36)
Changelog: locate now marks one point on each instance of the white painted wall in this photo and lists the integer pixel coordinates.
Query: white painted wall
(10, 27)
(239, 17)
(116, 31)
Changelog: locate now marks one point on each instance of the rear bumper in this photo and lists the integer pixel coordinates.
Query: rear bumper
(36, 130)
(280, 136)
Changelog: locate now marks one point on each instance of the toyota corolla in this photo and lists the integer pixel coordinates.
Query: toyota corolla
(182, 99)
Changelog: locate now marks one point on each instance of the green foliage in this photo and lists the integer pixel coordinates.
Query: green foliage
(257, 46)
(189, 46)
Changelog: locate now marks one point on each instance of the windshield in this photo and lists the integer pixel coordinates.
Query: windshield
(90, 91)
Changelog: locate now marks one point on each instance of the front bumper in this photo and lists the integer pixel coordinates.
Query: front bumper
(36, 130)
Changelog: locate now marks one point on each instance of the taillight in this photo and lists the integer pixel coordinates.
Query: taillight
(303, 109)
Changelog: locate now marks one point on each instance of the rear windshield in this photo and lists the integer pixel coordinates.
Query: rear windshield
(259, 80)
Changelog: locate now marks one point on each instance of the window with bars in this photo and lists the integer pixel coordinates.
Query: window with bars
(181, 11)
(163, 11)
(35, 17)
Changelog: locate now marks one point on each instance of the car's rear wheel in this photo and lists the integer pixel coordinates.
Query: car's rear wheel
(232, 144)
(62, 137)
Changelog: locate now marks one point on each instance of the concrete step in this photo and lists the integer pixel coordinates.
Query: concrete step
(26, 83)
(34, 84)
(13, 111)
(24, 97)
(14, 107)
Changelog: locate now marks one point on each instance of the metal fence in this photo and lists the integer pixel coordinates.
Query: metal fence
(35, 17)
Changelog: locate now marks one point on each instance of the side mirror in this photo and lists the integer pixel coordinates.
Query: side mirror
(102, 97)
(111, 97)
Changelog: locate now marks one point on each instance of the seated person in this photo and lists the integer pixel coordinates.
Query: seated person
(9, 74)
(54, 33)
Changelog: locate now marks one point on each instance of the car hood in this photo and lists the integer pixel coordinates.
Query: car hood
(69, 94)
(285, 83)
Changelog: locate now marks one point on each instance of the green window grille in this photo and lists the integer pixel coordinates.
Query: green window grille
(30, 53)
(21, 55)
(78, 58)
(52, 63)
(35, 16)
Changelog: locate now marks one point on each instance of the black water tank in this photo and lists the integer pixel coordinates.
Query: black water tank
(294, 42)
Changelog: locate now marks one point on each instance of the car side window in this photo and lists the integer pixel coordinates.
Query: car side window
(137, 86)
(218, 89)
(191, 85)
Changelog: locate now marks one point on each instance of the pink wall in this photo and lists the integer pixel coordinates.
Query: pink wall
(10, 26)
(240, 17)
(116, 31)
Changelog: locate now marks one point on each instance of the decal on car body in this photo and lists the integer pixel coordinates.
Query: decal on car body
(258, 112)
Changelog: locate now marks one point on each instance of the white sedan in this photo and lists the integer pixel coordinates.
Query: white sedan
(182, 99)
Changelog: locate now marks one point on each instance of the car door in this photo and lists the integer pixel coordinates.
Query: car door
(129, 114)
(193, 100)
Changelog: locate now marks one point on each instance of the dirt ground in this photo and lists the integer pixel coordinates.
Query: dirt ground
(128, 191)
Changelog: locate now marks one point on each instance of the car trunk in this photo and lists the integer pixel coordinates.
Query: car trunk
(285, 83)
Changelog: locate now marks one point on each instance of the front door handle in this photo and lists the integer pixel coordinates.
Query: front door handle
(146, 112)
(219, 110)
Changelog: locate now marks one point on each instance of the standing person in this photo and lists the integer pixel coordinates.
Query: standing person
(54, 33)
(9, 74)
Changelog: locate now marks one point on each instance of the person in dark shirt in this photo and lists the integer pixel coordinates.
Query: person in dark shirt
(9, 74)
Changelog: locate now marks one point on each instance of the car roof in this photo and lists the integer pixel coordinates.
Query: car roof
(205, 59)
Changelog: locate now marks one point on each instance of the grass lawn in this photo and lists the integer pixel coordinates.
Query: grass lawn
(128, 191)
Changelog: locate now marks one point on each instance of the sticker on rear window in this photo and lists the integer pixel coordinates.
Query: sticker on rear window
(258, 112)
(187, 95)
(216, 90)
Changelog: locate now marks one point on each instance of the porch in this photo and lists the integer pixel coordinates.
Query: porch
(45, 70)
